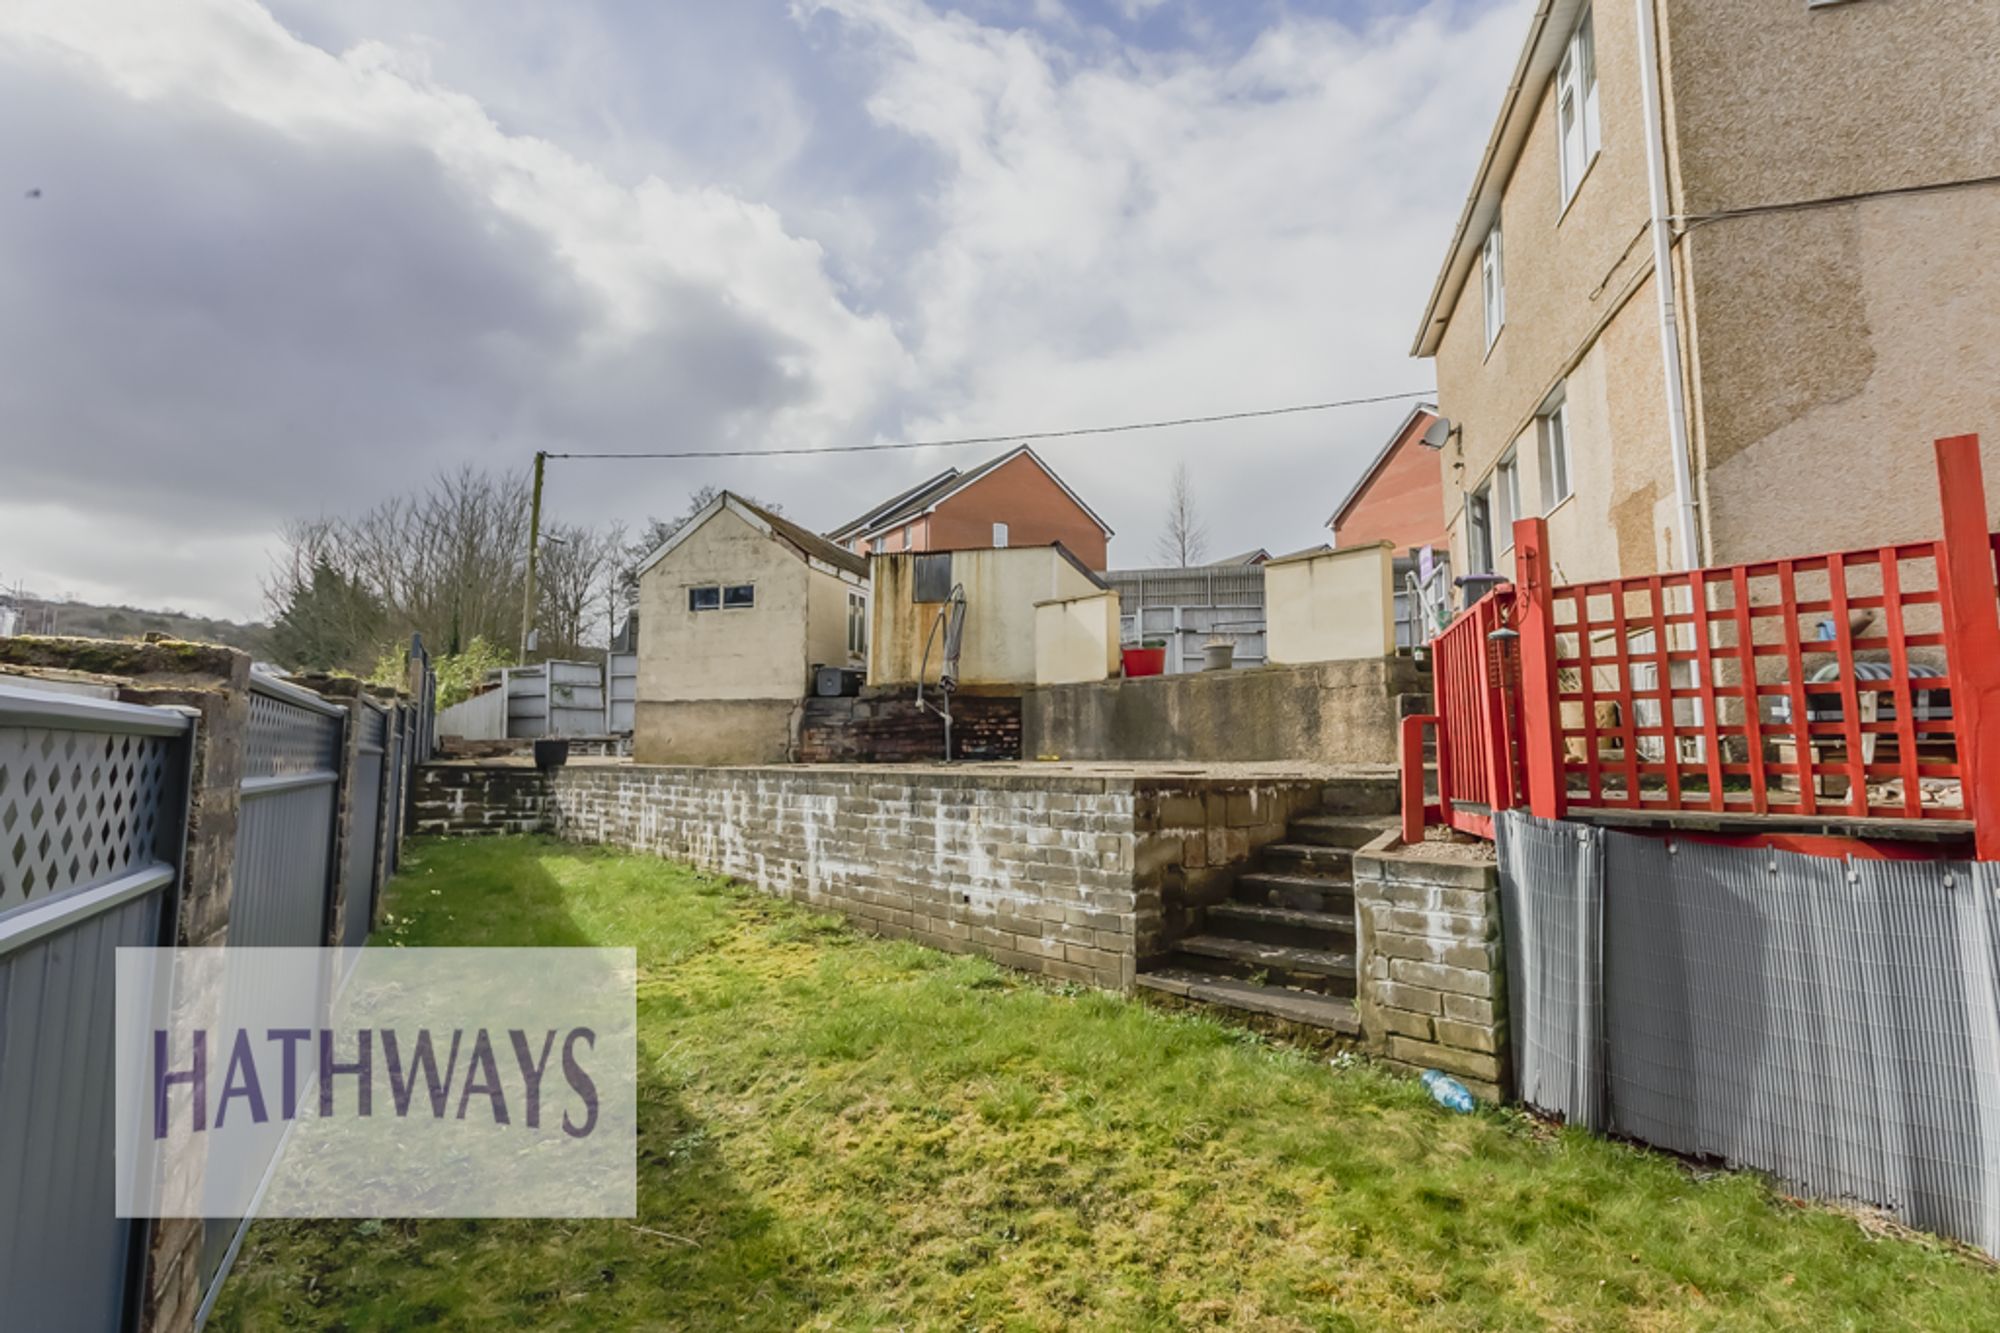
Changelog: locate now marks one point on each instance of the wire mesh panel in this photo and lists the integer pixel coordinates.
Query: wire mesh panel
(93, 807)
(1836, 1023)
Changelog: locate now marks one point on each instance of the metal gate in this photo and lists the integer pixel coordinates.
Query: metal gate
(93, 811)
(281, 895)
(1187, 607)
(364, 832)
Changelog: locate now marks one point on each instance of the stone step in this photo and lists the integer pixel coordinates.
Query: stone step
(1309, 1010)
(1300, 892)
(1342, 830)
(1324, 971)
(1286, 926)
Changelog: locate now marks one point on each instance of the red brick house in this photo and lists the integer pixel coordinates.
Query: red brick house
(1400, 498)
(1013, 500)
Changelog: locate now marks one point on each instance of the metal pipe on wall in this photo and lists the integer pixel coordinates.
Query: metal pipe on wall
(1651, 94)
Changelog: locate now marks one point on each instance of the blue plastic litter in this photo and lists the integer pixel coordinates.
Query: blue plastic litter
(1448, 1092)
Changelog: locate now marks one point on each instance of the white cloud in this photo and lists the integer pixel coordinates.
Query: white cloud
(269, 278)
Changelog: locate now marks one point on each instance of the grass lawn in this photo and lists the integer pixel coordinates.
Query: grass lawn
(842, 1132)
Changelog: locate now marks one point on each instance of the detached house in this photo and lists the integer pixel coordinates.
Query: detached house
(735, 610)
(1013, 500)
(1822, 180)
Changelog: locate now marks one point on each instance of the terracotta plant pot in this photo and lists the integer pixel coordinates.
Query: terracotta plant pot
(1144, 662)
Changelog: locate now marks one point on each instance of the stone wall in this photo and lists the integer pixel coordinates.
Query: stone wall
(470, 799)
(1430, 983)
(889, 728)
(1326, 713)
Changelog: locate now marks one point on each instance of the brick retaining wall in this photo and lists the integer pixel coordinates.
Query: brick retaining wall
(892, 729)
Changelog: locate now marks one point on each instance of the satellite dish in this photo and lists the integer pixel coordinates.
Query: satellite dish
(1438, 434)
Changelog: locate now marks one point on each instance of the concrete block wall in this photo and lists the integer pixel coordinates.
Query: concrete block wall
(1030, 871)
(1430, 985)
(469, 799)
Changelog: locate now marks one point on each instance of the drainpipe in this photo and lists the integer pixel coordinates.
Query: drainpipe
(1663, 281)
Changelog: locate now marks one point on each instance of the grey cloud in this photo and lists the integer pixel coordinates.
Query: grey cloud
(204, 312)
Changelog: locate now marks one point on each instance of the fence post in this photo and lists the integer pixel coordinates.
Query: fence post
(1534, 613)
(1972, 635)
(1410, 764)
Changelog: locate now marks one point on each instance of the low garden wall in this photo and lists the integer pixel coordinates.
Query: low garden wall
(1325, 713)
(1068, 873)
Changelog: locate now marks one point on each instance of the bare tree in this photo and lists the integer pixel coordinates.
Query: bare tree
(577, 568)
(1184, 541)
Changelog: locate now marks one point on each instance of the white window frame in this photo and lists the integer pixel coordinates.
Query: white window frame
(1479, 530)
(1000, 536)
(1577, 128)
(1553, 429)
(1493, 284)
(696, 596)
(745, 595)
(1506, 505)
(857, 624)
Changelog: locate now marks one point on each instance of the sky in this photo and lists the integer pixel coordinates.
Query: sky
(263, 262)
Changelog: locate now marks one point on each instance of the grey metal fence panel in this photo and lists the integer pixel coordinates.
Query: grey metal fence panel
(284, 863)
(93, 804)
(1834, 1023)
(576, 698)
(1552, 918)
(621, 693)
(1186, 606)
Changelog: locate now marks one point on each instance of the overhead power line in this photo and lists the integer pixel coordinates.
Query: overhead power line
(1025, 437)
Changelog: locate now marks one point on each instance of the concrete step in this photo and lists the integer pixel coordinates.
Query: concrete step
(1285, 926)
(1307, 858)
(1324, 971)
(1309, 1010)
(1302, 892)
(1341, 830)
(1361, 796)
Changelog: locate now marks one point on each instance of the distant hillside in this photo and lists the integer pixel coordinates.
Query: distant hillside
(38, 616)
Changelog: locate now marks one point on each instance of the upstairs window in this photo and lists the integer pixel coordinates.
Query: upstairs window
(739, 597)
(1576, 107)
(1000, 536)
(705, 599)
(1492, 281)
(1555, 454)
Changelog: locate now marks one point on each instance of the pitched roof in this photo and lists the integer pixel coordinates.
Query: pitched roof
(927, 497)
(867, 521)
(1388, 451)
(809, 545)
(1548, 34)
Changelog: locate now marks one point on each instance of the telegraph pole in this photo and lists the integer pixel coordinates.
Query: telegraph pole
(534, 539)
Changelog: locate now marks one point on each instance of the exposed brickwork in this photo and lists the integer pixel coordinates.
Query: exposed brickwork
(1431, 985)
(466, 800)
(889, 728)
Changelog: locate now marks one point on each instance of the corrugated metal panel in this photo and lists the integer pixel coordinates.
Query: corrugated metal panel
(1552, 913)
(1834, 1023)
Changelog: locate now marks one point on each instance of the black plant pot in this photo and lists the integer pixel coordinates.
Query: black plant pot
(551, 752)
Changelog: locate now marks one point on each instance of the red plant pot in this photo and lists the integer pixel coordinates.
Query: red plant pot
(1144, 661)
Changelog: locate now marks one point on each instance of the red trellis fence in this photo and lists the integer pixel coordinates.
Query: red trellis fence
(1852, 686)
